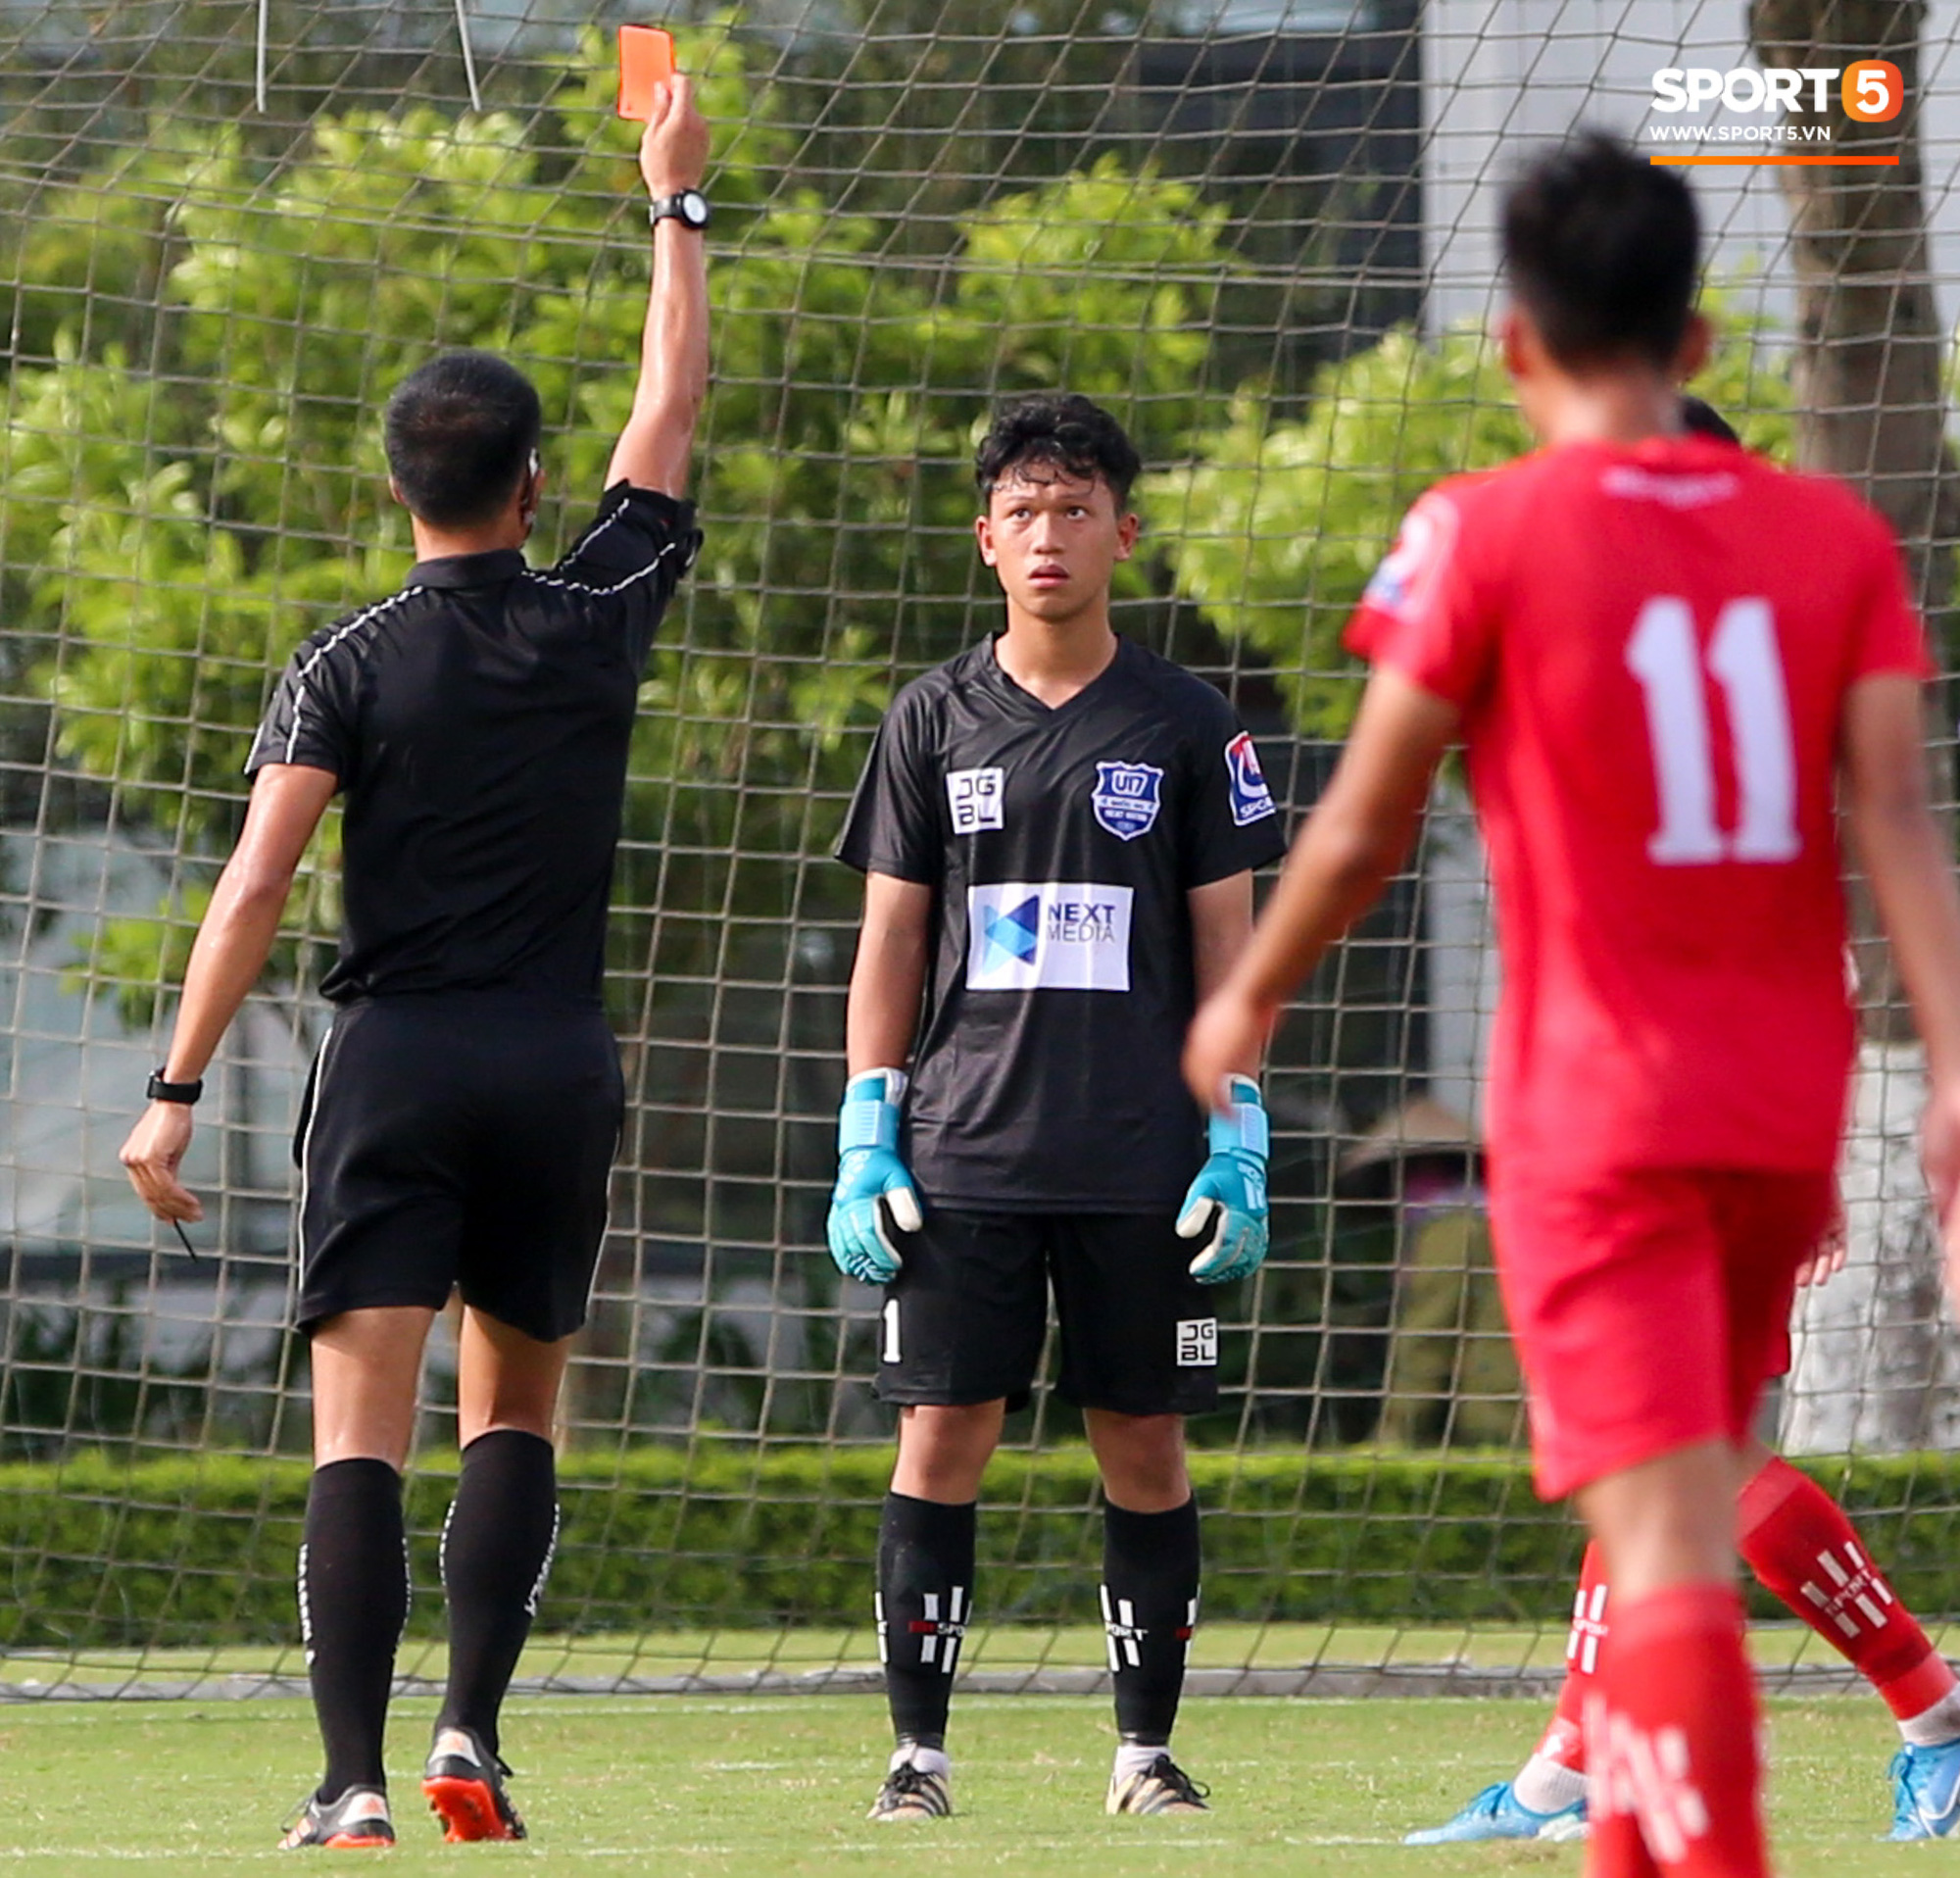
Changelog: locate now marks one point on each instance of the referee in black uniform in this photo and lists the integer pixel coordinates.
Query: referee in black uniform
(1058, 831)
(467, 1100)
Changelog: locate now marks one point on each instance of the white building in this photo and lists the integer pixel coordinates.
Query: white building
(1499, 75)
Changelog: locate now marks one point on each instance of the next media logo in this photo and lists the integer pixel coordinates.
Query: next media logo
(1014, 934)
(1047, 935)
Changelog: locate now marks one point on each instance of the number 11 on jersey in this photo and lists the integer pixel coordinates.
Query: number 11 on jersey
(1742, 658)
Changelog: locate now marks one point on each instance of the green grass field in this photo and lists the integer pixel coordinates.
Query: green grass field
(778, 1785)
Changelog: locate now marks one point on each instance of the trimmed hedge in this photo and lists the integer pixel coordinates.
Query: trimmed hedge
(199, 1551)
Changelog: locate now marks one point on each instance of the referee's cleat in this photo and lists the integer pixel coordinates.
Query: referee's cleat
(1161, 1787)
(358, 1821)
(911, 1792)
(1498, 1814)
(463, 1783)
(1926, 1790)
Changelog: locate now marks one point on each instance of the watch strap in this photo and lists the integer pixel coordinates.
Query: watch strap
(161, 1089)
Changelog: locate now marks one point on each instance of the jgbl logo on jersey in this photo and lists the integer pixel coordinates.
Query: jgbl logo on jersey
(1127, 798)
(1049, 935)
(975, 797)
(1252, 799)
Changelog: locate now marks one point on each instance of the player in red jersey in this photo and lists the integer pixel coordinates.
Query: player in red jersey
(1667, 662)
(1801, 1546)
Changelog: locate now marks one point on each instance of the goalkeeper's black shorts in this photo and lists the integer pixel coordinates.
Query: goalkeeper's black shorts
(965, 1318)
(458, 1140)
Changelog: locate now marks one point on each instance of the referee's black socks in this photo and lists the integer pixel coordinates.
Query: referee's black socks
(497, 1547)
(1150, 1604)
(354, 1599)
(925, 1602)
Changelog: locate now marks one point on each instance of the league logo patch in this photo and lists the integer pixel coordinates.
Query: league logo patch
(1252, 799)
(1388, 588)
(975, 798)
(1407, 572)
(1127, 798)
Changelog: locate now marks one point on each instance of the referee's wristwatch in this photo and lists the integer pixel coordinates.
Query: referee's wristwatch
(689, 208)
(161, 1089)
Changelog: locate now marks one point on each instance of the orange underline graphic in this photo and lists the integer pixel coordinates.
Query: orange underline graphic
(1866, 160)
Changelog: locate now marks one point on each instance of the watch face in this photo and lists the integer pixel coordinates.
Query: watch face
(693, 206)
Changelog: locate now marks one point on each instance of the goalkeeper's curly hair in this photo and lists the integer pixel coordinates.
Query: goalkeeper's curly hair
(1064, 430)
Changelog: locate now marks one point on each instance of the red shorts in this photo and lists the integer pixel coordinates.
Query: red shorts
(1649, 1306)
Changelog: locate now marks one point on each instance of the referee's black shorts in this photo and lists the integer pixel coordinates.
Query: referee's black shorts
(966, 1320)
(459, 1139)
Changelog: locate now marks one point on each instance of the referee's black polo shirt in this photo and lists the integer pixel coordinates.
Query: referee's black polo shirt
(479, 721)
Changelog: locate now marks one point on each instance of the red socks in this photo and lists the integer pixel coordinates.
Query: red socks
(1671, 1742)
(1564, 1740)
(1668, 1699)
(1798, 1542)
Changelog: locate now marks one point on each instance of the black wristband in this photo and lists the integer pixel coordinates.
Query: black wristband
(186, 1092)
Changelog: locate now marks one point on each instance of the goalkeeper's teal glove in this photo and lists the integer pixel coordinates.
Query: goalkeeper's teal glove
(1228, 1198)
(873, 1191)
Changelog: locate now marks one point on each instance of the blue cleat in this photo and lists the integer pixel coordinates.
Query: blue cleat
(1496, 1814)
(1926, 1790)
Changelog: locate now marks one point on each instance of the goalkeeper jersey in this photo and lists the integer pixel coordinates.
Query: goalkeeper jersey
(1061, 844)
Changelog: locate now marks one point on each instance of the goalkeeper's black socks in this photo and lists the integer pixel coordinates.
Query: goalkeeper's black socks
(354, 1599)
(497, 1548)
(925, 1601)
(1150, 1604)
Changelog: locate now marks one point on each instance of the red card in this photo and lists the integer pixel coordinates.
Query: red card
(646, 63)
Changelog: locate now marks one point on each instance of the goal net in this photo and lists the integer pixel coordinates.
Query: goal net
(1261, 232)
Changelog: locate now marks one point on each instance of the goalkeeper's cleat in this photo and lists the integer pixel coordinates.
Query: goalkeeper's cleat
(358, 1821)
(1926, 1790)
(1498, 1814)
(463, 1783)
(1161, 1787)
(911, 1793)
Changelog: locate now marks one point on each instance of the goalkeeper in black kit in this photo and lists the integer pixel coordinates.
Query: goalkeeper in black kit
(1058, 831)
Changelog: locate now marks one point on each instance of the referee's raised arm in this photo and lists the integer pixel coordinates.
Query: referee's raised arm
(653, 449)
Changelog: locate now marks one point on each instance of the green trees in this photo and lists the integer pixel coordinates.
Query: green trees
(1278, 524)
(193, 478)
(188, 493)
(204, 329)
